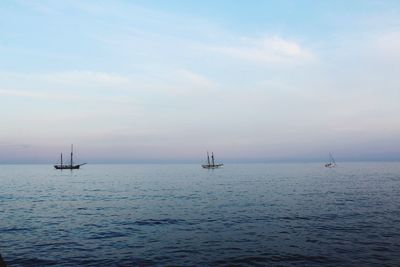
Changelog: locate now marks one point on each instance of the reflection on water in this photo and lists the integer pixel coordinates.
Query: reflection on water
(244, 214)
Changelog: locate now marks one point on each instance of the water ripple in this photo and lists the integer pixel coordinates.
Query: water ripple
(182, 215)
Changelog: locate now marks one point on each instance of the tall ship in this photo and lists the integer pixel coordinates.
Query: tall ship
(71, 165)
(331, 163)
(211, 164)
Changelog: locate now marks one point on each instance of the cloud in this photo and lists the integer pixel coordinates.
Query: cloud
(195, 78)
(141, 89)
(186, 82)
(76, 78)
(41, 7)
(270, 50)
(35, 94)
(57, 81)
(86, 77)
(66, 86)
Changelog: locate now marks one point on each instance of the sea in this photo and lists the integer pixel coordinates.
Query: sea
(284, 214)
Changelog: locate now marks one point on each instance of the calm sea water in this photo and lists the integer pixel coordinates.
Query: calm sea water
(182, 215)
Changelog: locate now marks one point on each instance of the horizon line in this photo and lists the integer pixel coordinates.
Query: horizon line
(200, 162)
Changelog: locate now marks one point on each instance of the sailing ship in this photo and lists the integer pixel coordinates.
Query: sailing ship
(331, 163)
(211, 165)
(71, 165)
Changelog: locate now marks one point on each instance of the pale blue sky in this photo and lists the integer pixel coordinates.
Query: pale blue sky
(129, 81)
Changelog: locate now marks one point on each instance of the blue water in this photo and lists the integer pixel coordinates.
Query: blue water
(182, 215)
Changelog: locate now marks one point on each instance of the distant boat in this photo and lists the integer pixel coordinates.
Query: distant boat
(331, 163)
(211, 165)
(71, 165)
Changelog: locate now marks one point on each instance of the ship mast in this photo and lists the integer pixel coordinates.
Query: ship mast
(61, 160)
(72, 148)
(331, 158)
(212, 158)
(208, 158)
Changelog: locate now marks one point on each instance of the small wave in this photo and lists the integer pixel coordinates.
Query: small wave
(103, 235)
(15, 229)
(270, 259)
(158, 222)
(294, 218)
(32, 262)
(345, 229)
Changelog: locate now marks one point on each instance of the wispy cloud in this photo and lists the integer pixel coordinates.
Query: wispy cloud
(86, 77)
(67, 86)
(69, 77)
(167, 81)
(35, 94)
(39, 6)
(184, 81)
(273, 50)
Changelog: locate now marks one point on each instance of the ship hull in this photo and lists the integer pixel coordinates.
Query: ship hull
(215, 166)
(330, 165)
(67, 167)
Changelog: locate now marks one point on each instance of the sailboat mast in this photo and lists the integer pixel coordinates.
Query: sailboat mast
(72, 149)
(61, 160)
(208, 158)
(212, 158)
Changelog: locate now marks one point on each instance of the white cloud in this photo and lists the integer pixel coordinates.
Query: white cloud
(273, 50)
(86, 77)
(57, 81)
(186, 81)
(20, 93)
(35, 94)
(41, 7)
(112, 86)
(195, 78)
(83, 86)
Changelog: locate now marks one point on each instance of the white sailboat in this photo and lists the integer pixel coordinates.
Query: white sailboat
(331, 163)
(211, 165)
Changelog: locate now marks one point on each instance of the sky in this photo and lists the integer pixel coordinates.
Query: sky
(166, 81)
